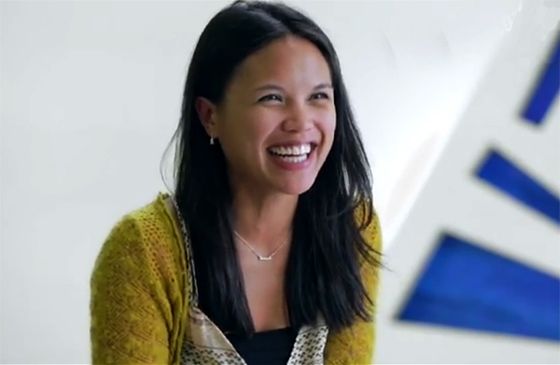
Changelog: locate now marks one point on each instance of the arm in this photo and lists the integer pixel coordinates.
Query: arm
(355, 345)
(370, 276)
(129, 312)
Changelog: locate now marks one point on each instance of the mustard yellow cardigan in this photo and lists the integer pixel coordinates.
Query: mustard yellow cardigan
(138, 304)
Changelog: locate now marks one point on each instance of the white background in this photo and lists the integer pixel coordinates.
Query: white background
(90, 96)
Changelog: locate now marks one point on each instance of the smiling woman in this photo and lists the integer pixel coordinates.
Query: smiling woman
(267, 251)
(277, 120)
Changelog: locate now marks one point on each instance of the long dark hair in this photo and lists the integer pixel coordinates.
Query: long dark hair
(323, 270)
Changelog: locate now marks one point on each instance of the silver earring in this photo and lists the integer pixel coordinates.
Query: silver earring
(212, 141)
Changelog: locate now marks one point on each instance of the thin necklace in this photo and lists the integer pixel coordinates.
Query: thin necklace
(260, 257)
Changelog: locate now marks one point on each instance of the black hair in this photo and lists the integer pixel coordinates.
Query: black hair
(323, 269)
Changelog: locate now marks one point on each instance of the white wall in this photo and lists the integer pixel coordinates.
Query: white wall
(90, 96)
(453, 200)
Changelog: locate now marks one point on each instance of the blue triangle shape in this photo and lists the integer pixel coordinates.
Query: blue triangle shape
(466, 286)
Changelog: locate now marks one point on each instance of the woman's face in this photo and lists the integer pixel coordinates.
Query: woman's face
(277, 121)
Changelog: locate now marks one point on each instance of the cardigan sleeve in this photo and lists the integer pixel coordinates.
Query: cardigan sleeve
(355, 345)
(370, 276)
(128, 302)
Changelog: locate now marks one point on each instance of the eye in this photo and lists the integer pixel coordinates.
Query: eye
(320, 96)
(273, 97)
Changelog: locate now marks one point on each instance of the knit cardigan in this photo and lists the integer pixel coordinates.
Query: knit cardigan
(138, 305)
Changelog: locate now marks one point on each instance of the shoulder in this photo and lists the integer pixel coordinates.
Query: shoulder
(356, 343)
(135, 290)
(370, 259)
(153, 219)
(368, 221)
(153, 223)
(370, 228)
(145, 237)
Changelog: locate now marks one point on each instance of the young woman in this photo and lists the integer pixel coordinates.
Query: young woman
(268, 250)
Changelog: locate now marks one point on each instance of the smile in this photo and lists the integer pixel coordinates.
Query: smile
(292, 157)
(297, 150)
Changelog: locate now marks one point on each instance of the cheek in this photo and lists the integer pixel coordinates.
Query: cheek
(248, 132)
(259, 125)
(328, 126)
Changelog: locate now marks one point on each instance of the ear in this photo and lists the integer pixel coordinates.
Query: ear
(206, 111)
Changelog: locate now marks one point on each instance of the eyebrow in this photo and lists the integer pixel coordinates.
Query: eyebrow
(276, 87)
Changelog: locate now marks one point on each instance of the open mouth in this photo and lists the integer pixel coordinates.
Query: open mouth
(294, 154)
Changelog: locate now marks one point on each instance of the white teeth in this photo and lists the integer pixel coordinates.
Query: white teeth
(294, 159)
(292, 150)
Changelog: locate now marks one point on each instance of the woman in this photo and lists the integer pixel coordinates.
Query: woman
(268, 250)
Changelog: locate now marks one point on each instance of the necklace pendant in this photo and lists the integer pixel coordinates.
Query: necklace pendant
(264, 258)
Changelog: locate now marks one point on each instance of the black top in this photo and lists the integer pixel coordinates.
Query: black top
(265, 348)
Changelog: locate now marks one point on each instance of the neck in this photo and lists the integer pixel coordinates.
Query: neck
(265, 220)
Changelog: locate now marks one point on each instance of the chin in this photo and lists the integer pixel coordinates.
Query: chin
(296, 187)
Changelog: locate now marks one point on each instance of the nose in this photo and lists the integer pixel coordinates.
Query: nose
(299, 118)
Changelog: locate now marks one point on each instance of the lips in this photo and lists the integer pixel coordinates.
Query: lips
(292, 149)
(293, 157)
(296, 150)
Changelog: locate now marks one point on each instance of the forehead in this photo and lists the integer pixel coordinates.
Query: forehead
(289, 59)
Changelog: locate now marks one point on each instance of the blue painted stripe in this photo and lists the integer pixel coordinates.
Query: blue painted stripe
(546, 89)
(466, 286)
(510, 179)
